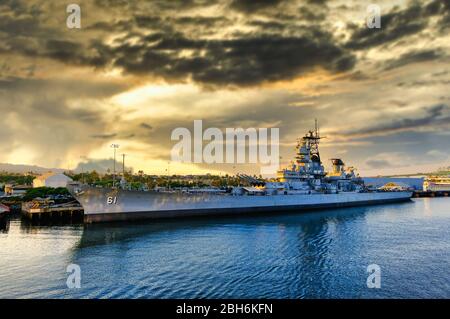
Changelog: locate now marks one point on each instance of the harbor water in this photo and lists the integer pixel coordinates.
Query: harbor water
(309, 255)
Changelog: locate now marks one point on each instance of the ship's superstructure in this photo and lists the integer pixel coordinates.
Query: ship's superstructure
(306, 174)
(304, 185)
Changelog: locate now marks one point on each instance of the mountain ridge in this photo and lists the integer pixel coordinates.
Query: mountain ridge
(24, 168)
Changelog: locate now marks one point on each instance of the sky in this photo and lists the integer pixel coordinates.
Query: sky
(136, 70)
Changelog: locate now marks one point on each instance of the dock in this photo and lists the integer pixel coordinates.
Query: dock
(12, 203)
(418, 194)
(3, 210)
(44, 209)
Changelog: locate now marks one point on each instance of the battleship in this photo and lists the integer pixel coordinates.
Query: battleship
(303, 186)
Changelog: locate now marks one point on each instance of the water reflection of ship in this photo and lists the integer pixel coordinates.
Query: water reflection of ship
(4, 224)
(32, 226)
(106, 234)
(4, 221)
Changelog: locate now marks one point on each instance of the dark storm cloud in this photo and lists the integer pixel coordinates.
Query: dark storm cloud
(394, 26)
(161, 44)
(172, 5)
(25, 34)
(311, 14)
(442, 8)
(317, 2)
(445, 23)
(397, 24)
(200, 21)
(113, 3)
(117, 25)
(20, 19)
(413, 57)
(243, 61)
(268, 25)
(249, 6)
(182, 4)
(66, 51)
(167, 52)
(432, 117)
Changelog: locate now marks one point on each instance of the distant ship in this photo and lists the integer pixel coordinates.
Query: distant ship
(304, 185)
(436, 184)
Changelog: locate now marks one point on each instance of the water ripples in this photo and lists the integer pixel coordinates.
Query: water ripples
(314, 255)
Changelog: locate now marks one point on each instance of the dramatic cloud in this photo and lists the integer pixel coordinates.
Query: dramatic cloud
(249, 6)
(398, 24)
(413, 57)
(432, 116)
(138, 69)
(244, 61)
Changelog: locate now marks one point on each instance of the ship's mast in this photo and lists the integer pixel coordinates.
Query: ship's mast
(314, 140)
(307, 164)
(316, 128)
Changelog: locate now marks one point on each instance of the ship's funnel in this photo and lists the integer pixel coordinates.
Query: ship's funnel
(338, 165)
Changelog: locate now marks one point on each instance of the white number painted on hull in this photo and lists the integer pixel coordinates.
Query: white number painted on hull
(111, 200)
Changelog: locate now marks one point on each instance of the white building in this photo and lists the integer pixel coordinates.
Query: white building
(51, 180)
(16, 190)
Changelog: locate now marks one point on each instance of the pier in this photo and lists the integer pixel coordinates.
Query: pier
(44, 209)
(3, 210)
(418, 194)
(12, 203)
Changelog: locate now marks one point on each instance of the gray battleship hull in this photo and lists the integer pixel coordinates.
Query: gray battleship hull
(106, 205)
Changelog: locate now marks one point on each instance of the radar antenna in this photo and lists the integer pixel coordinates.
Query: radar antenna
(316, 129)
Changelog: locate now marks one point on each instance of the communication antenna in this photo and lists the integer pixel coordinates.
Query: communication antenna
(123, 165)
(114, 146)
(316, 128)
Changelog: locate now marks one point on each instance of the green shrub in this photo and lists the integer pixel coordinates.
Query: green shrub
(44, 192)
